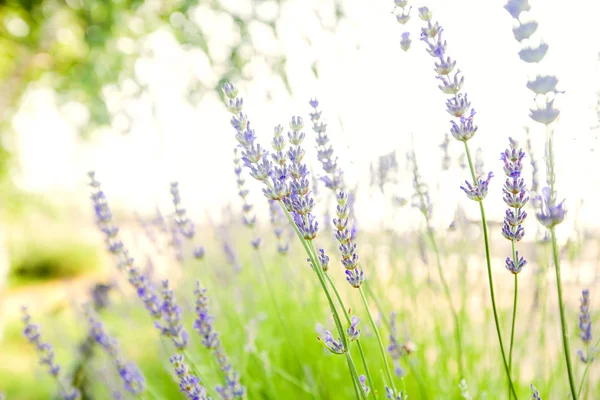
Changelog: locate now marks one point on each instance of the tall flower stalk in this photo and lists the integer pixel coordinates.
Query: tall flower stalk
(463, 128)
(290, 187)
(345, 231)
(515, 197)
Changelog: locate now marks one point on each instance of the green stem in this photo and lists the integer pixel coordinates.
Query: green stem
(514, 315)
(381, 346)
(385, 320)
(489, 271)
(585, 371)
(561, 309)
(319, 271)
(358, 344)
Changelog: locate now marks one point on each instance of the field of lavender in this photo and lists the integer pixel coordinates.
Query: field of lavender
(306, 304)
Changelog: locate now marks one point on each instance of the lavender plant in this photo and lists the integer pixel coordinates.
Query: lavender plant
(46, 356)
(515, 197)
(463, 129)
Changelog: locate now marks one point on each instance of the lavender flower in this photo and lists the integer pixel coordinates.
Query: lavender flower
(535, 394)
(233, 389)
(479, 190)
(549, 213)
(363, 384)
(585, 327)
(186, 226)
(144, 288)
(524, 31)
(515, 197)
(334, 346)
(278, 222)
(404, 16)
(389, 394)
(46, 355)
(516, 7)
(333, 178)
(543, 84)
(133, 380)
(352, 331)
(354, 275)
(172, 326)
(533, 55)
(425, 14)
(546, 115)
(405, 42)
(188, 383)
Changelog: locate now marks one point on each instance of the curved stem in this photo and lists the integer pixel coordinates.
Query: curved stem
(358, 344)
(514, 315)
(420, 381)
(319, 271)
(381, 346)
(563, 323)
(585, 371)
(489, 272)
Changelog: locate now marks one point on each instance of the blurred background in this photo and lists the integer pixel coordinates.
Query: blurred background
(131, 90)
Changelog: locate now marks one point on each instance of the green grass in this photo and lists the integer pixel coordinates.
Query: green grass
(272, 369)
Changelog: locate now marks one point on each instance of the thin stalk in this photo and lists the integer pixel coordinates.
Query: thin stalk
(561, 308)
(514, 315)
(385, 320)
(381, 346)
(563, 323)
(318, 269)
(489, 271)
(358, 344)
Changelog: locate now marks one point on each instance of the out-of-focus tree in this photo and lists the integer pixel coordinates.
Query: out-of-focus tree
(79, 47)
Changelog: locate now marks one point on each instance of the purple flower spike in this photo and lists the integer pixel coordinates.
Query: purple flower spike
(171, 325)
(189, 384)
(585, 328)
(478, 191)
(515, 197)
(352, 331)
(363, 384)
(46, 355)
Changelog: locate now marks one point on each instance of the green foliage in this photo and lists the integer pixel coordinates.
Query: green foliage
(32, 261)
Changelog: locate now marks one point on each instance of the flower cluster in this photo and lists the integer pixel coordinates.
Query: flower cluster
(249, 219)
(46, 355)
(171, 325)
(354, 275)
(233, 389)
(144, 288)
(294, 194)
(334, 346)
(277, 219)
(185, 225)
(458, 105)
(549, 213)
(515, 197)
(585, 328)
(333, 174)
(188, 384)
(133, 380)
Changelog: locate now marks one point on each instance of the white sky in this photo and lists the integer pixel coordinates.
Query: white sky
(381, 94)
